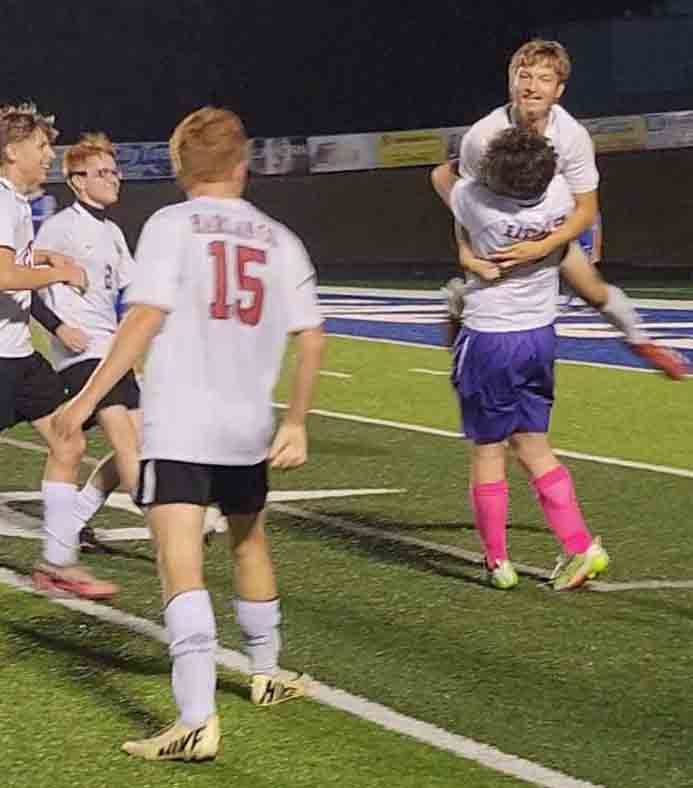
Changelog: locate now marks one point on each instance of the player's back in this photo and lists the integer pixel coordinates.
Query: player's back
(526, 297)
(233, 283)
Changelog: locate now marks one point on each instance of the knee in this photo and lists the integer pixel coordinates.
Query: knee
(250, 544)
(69, 451)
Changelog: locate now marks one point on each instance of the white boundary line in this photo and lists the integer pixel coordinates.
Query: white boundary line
(434, 295)
(384, 717)
(467, 555)
(574, 455)
(570, 362)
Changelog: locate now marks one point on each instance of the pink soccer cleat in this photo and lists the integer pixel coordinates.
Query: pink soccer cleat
(670, 362)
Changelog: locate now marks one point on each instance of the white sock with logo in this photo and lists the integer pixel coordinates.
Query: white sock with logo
(619, 311)
(88, 502)
(60, 525)
(192, 637)
(259, 623)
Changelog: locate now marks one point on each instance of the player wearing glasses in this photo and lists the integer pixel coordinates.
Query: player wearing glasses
(84, 232)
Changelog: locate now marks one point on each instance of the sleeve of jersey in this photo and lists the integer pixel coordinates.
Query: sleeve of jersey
(457, 202)
(7, 219)
(156, 273)
(581, 168)
(301, 295)
(471, 151)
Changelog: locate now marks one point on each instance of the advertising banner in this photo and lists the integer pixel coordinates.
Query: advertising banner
(617, 134)
(279, 156)
(411, 148)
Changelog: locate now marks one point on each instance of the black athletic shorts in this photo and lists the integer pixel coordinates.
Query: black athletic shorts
(237, 489)
(29, 389)
(126, 392)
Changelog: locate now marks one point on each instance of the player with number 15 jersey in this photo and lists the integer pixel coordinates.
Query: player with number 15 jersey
(233, 283)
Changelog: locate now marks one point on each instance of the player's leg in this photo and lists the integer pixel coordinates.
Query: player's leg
(584, 557)
(482, 376)
(38, 392)
(617, 308)
(176, 526)
(242, 493)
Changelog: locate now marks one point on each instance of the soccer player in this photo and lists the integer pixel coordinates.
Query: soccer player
(84, 231)
(538, 73)
(217, 287)
(504, 355)
(29, 388)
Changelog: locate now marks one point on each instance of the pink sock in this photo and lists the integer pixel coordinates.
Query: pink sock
(490, 507)
(556, 495)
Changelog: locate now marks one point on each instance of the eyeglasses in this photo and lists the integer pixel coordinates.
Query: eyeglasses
(102, 173)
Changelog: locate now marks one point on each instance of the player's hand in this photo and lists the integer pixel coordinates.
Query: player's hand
(290, 446)
(74, 275)
(488, 271)
(522, 253)
(70, 417)
(55, 259)
(73, 338)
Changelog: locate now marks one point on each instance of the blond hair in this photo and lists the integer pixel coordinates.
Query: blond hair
(538, 51)
(19, 122)
(207, 146)
(92, 143)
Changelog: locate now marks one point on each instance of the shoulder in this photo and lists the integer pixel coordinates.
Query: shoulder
(570, 127)
(496, 120)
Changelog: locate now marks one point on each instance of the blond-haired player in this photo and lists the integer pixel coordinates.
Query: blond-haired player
(30, 390)
(84, 231)
(537, 77)
(217, 287)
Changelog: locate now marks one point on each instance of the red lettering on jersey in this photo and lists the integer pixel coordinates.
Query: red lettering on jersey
(219, 309)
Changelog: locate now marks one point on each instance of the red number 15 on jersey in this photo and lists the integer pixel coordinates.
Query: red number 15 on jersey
(219, 309)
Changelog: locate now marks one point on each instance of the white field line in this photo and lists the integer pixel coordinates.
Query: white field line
(434, 295)
(439, 372)
(329, 374)
(467, 555)
(476, 558)
(575, 455)
(384, 717)
(404, 343)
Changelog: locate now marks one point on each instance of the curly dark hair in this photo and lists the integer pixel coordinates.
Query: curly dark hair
(518, 163)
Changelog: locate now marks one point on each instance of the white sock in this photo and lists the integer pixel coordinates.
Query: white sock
(619, 311)
(259, 623)
(60, 525)
(88, 502)
(192, 645)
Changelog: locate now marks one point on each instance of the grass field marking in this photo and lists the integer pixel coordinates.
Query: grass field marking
(469, 556)
(574, 455)
(435, 295)
(383, 716)
(403, 343)
(329, 374)
(441, 372)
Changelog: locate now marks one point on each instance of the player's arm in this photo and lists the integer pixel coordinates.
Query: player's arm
(581, 219)
(16, 277)
(444, 177)
(71, 336)
(133, 337)
(290, 446)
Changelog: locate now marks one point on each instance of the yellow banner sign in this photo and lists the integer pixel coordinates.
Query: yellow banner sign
(411, 148)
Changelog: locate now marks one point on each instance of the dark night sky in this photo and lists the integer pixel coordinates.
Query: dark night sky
(133, 69)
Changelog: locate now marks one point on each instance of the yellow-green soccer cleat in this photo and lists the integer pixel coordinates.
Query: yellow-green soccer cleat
(503, 576)
(270, 690)
(179, 743)
(574, 570)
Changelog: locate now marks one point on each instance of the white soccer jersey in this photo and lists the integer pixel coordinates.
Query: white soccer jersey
(569, 138)
(526, 297)
(233, 283)
(99, 246)
(16, 232)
